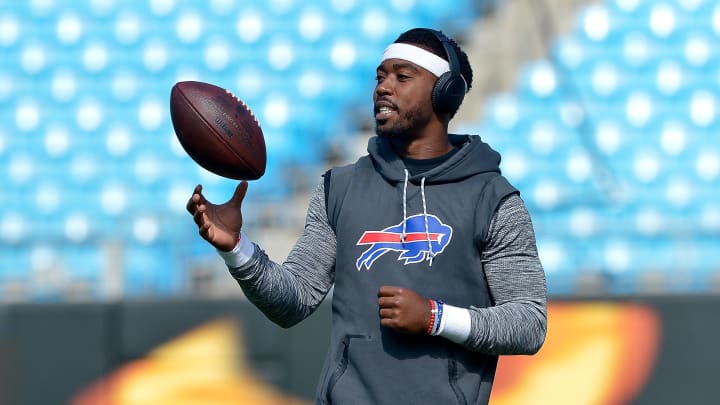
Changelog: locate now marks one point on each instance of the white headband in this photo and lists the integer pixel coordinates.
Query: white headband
(427, 60)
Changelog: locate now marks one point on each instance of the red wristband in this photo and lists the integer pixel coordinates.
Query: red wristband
(433, 311)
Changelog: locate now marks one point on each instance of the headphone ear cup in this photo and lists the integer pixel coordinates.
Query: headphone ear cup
(448, 92)
(438, 93)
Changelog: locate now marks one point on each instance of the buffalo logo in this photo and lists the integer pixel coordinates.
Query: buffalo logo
(414, 249)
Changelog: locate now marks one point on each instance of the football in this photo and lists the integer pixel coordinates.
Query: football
(217, 130)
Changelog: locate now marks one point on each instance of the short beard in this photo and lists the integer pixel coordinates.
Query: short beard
(410, 119)
(389, 133)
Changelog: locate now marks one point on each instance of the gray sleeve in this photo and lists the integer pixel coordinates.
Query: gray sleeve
(289, 292)
(517, 321)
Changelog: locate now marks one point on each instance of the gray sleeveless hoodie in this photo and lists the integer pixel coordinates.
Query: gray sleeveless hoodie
(425, 233)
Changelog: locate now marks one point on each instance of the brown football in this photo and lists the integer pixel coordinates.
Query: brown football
(218, 130)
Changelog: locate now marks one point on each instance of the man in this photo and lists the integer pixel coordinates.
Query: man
(430, 250)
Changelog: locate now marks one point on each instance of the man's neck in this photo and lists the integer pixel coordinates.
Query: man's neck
(426, 146)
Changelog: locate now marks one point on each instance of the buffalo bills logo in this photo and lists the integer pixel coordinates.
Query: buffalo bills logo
(414, 249)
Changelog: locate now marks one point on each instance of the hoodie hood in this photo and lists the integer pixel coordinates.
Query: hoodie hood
(473, 157)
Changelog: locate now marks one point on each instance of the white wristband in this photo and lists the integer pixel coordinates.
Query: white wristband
(241, 253)
(455, 324)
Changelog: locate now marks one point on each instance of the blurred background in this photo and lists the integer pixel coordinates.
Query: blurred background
(605, 113)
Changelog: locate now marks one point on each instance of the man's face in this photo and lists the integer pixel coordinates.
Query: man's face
(402, 99)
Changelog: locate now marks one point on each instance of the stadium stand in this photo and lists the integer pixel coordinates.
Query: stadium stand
(95, 181)
(612, 137)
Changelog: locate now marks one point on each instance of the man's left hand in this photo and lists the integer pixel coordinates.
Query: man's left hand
(403, 310)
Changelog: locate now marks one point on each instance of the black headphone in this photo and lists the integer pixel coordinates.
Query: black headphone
(450, 87)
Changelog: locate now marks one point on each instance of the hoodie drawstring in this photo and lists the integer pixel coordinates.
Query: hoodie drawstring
(407, 176)
(431, 254)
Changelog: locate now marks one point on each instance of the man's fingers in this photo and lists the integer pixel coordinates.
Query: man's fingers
(389, 291)
(388, 322)
(199, 216)
(191, 205)
(387, 313)
(195, 200)
(239, 194)
(388, 302)
(206, 232)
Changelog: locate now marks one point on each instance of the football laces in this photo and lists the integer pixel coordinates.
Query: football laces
(242, 103)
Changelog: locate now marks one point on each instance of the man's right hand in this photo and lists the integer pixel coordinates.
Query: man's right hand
(218, 224)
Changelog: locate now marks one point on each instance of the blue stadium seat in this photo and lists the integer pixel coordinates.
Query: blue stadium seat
(539, 81)
(707, 265)
(86, 267)
(559, 263)
(152, 271)
(14, 265)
